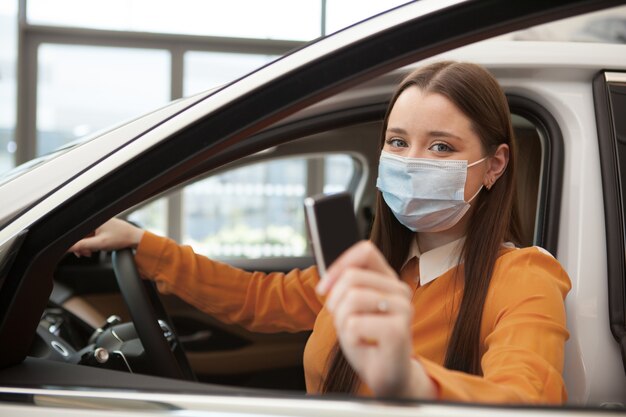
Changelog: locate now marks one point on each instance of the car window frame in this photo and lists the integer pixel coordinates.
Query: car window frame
(355, 183)
(614, 194)
(552, 167)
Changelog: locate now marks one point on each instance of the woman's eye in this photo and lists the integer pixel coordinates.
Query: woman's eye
(396, 143)
(440, 147)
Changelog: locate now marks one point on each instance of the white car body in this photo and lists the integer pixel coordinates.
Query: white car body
(556, 75)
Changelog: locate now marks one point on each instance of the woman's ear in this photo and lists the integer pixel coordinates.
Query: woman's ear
(496, 165)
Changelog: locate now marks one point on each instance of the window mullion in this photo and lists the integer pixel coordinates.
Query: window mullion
(175, 200)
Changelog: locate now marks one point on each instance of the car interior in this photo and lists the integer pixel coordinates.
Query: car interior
(86, 302)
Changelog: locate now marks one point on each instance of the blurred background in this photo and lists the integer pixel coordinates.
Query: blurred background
(69, 68)
(72, 68)
(85, 65)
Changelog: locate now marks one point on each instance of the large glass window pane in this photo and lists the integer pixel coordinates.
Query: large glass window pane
(267, 19)
(8, 82)
(204, 70)
(152, 217)
(82, 89)
(343, 13)
(257, 211)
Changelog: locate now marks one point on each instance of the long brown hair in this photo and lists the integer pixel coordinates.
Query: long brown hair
(495, 218)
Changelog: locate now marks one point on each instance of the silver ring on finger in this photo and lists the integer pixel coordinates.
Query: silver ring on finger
(382, 306)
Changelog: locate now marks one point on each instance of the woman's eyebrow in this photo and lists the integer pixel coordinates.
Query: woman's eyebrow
(443, 134)
(398, 130)
(433, 133)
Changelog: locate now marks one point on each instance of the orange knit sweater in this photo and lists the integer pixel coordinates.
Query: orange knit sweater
(522, 334)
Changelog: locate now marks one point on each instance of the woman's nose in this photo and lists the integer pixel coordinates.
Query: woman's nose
(415, 152)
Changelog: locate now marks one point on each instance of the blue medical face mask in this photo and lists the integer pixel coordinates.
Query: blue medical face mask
(425, 195)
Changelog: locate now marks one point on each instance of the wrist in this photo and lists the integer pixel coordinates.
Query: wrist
(419, 385)
(135, 236)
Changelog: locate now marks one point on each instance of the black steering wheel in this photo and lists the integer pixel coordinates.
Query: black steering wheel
(152, 322)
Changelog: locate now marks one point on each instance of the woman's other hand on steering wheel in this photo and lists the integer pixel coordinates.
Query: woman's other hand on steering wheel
(112, 235)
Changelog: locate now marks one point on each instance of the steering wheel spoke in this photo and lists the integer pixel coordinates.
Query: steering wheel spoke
(152, 322)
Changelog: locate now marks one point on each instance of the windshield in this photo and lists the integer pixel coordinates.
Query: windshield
(169, 109)
(27, 166)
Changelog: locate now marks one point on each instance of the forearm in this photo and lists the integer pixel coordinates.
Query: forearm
(257, 301)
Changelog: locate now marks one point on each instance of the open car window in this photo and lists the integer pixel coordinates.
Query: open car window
(253, 211)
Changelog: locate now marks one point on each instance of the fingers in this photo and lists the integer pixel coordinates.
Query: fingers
(353, 298)
(372, 313)
(112, 235)
(367, 303)
(363, 255)
(353, 279)
(85, 247)
(362, 284)
(367, 300)
(79, 249)
(371, 330)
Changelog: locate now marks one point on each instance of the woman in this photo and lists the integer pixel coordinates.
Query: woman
(439, 303)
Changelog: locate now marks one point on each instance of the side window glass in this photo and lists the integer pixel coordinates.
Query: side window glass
(529, 159)
(152, 217)
(539, 167)
(254, 211)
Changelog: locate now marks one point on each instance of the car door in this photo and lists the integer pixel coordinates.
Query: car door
(225, 127)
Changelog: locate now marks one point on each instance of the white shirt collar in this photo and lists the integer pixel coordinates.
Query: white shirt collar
(438, 261)
(435, 262)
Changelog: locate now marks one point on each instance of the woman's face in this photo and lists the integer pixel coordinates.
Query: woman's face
(431, 126)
